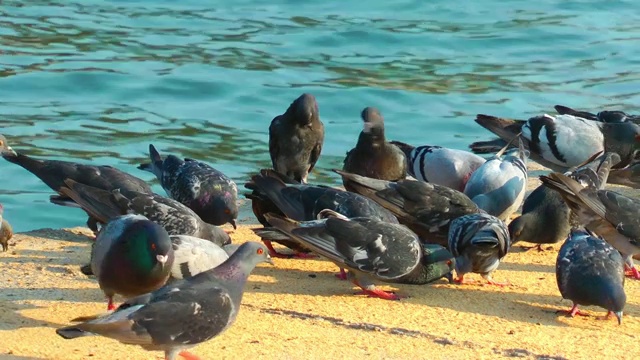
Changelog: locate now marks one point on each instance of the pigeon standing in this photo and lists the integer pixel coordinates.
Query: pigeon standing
(564, 141)
(6, 232)
(181, 314)
(176, 218)
(194, 255)
(478, 242)
(500, 184)
(546, 218)
(427, 209)
(205, 190)
(439, 165)
(589, 271)
(606, 213)
(373, 156)
(607, 116)
(295, 139)
(131, 256)
(370, 249)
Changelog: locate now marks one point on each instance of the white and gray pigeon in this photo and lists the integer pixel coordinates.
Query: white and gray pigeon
(296, 138)
(610, 215)
(546, 218)
(182, 314)
(205, 190)
(564, 141)
(370, 250)
(478, 242)
(440, 165)
(194, 255)
(131, 256)
(176, 218)
(499, 185)
(589, 271)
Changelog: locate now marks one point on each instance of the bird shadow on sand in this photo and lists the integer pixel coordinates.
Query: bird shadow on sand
(12, 318)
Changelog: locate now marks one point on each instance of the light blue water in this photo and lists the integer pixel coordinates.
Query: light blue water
(97, 81)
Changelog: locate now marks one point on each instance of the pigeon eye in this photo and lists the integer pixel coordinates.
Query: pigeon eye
(448, 262)
(153, 247)
(260, 251)
(227, 211)
(1, 142)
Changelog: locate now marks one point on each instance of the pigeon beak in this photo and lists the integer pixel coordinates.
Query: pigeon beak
(162, 259)
(270, 260)
(618, 314)
(233, 223)
(449, 277)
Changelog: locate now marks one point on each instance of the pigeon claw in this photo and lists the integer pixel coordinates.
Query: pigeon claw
(377, 293)
(301, 255)
(618, 316)
(460, 280)
(572, 312)
(342, 275)
(632, 272)
(189, 356)
(493, 282)
(110, 305)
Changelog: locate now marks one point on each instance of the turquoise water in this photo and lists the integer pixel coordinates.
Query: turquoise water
(97, 81)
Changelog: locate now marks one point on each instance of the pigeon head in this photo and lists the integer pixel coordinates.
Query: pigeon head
(439, 262)
(223, 209)
(5, 149)
(518, 229)
(373, 122)
(251, 254)
(148, 247)
(304, 109)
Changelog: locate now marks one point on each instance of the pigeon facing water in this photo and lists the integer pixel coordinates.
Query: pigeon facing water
(370, 249)
(427, 209)
(205, 190)
(607, 213)
(6, 232)
(499, 185)
(176, 218)
(295, 139)
(54, 172)
(373, 156)
(181, 314)
(131, 256)
(478, 242)
(589, 271)
(439, 165)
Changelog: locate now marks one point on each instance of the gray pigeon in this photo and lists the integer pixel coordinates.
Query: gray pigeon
(564, 141)
(176, 218)
(546, 218)
(295, 139)
(589, 271)
(181, 314)
(373, 156)
(439, 165)
(499, 185)
(607, 213)
(131, 256)
(427, 209)
(370, 249)
(6, 231)
(205, 190)
(54, 172)
(194, 255)
(478, 242)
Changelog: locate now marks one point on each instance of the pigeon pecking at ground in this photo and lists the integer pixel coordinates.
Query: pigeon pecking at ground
(295, 139)
(439, 165)
(478, 242)
(373, 156)
(208, 192)
(589, 271)
(181, 314)
(131, 256)
(499, 185)
(370, 249)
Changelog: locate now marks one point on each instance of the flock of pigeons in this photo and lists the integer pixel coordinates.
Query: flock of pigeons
(409, 215)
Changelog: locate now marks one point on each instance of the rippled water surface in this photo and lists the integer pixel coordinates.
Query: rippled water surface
(97, 81)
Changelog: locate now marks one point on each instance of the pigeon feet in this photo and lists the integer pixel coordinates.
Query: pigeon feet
(386, 295)
(631, 272)
(298, 255)
(301, 255)
(189, 356)
(110, 305)
(573, 312)
(342, 275)
(618, 316)
(460, 280)
(490, 281)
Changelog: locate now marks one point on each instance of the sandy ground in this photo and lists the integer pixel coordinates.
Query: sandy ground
(297, 309)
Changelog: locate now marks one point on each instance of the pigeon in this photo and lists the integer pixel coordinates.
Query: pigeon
(628, 176)
(176, 218)
(295, 139)
(499, 185)
(564, 141)
(373, 156)
(439, 165)
(182, 314)
(606, 213)
(427, 209)
(303, 202)
(6, 231)
(546, 218)
(194, 255)
(478, 242)
(54, 172)
(131, 256)
(589, 271)
(370, 249)
(205, 190)
(606, 116)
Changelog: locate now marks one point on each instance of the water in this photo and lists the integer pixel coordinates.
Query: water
(97, 81)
